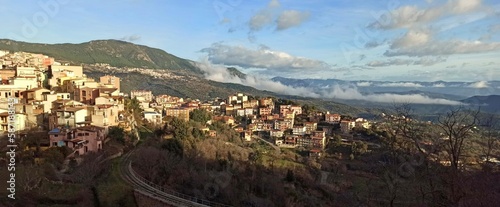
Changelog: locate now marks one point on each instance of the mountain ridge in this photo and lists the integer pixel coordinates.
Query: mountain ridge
(489, 103)
(117, 53)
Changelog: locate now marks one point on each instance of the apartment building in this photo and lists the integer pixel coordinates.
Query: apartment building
(181, 113)
(142, 95)
(110, 81)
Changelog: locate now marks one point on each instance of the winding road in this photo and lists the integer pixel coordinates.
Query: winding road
(152, 190)
(268, 142)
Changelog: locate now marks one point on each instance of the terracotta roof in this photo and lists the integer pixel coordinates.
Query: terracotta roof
(90, 128)
(71, 109)
(36, 89)
(104, 106)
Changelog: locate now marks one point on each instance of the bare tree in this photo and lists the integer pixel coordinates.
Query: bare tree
(457, 126)
(408, 127)
(489, 127)
(30, 177)
(90, 167)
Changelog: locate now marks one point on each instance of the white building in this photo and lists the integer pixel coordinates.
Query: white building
(51, 97)
(237, 98)
(153, 117)
(276, 133)
(346, 126)
(299, 130)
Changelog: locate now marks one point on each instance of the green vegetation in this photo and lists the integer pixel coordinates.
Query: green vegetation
(114, 52)
(187, 87)
(113, 191)
(359, 148)
(117, 133)
(200, 115)
(241, 172)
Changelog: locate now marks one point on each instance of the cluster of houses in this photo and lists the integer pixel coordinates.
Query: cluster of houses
(77, 110)
(279, 122)
(250, 116)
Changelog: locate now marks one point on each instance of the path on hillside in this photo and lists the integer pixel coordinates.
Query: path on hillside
(152, 190)
(269, 143)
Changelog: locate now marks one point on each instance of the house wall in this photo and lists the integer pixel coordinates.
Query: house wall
(110, 80)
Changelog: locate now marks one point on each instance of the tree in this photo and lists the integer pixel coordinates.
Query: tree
(134, 112)
(290, 177)
(93, 165)
(337, 140)
(457, 126)
(198, 134)
(133, 107)
(55, 155)
(117, 133)
(255, 157)
(30, 177)
(359, 147)
(181, 129)
(489, 133)
(174, 146)
(200, 115)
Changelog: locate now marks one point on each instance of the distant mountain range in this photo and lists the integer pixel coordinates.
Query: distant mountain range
(482, 93)
(307, 82)
(487, 103)
(449, 90)
(114, 52)
(188, 79)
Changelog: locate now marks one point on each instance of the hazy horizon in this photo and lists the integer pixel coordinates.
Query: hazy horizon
(376, 40)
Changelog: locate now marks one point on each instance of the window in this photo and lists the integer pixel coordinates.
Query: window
(54, 143)
(55, 135)
(86, 134)
(80, 134)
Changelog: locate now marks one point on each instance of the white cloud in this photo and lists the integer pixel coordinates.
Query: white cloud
(439, 85)
(291, 18)
(421, 43)
(220, 74)
(391, 62)
(350, 93)
(412, 16)
(444, 48)
(424, 28)
(131, 38)
(428, 61)
(274, 4)
(261, 19)
(261, 58)
(401, 84)
(424, 61)
(364, 84)
(411, 39)
(271, 16)
(479, 84)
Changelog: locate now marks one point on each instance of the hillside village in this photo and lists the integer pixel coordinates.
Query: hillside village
(78, 111)
(67, 110)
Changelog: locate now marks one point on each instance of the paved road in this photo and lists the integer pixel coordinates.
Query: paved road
(150, 189)
(269, 143)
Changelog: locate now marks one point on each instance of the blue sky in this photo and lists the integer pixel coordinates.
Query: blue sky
(425, 40)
